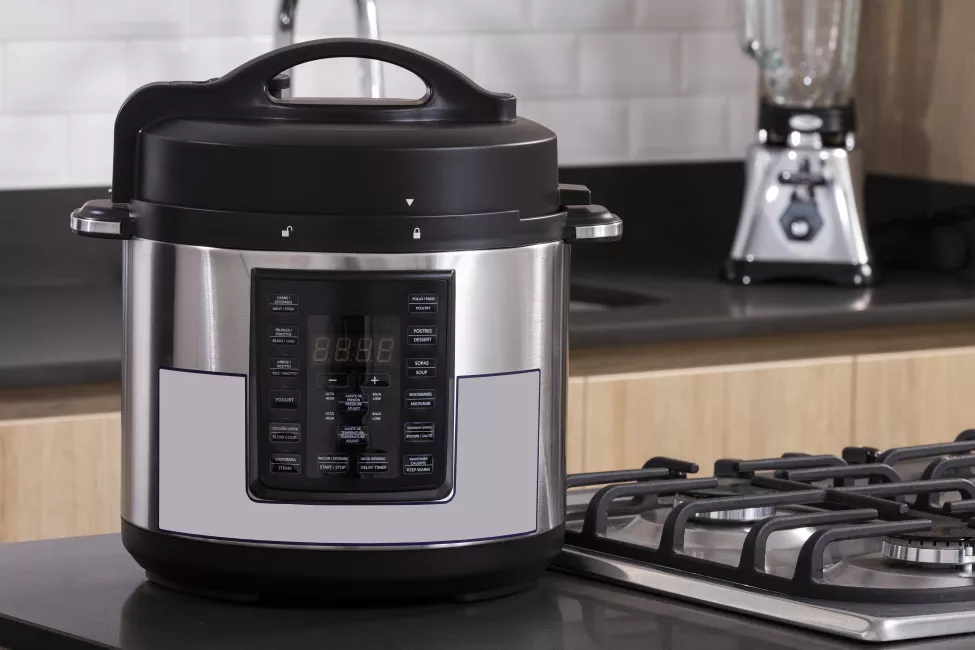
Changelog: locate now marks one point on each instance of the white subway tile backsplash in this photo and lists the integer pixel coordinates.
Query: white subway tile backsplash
(90, 147)
(52, 76)
(233, 17)
(678, 128)
(582, 14)
(103, 19)
(527, 65)
(336, 17)
(412, 16)
(588, 130)
(618, 80)
(712, 61)
(628, 63)
(33, 149)
(35, 19)
(688, 14)
(742, 123)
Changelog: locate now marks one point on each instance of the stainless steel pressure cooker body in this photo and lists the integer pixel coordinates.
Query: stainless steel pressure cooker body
(345, 333)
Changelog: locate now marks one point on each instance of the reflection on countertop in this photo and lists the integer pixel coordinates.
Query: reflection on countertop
(73, 334)
(689, 306)
(86, 592)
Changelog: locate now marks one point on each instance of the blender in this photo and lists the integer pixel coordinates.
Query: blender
(802, 214)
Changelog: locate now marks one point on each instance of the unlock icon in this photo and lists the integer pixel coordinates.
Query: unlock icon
(286, 232)
(416, 233)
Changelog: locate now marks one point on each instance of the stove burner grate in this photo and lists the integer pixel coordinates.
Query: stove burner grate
(859, 514)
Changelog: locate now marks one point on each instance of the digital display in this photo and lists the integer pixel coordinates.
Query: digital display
(353, 340)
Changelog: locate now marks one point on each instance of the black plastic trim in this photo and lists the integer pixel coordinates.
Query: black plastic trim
(240, 570)
(244, 94)
(259, 492)
(343, 233)
(843, 274)
(837, 122)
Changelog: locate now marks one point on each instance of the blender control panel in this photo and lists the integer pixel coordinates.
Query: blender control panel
(351, 374)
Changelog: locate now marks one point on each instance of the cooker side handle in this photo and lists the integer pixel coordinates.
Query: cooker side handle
(585, 222)
(103, 219)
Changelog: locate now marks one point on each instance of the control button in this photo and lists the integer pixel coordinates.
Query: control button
(420, 403)
(283, 334)
(285, 431)
(421, 373)
(290, 459)
(418, 464)
(427, 339)
(423, 303)
(374, 380)
(285, 367)
(418, 432)
(354, 435)
(284, 399)
(283, 302)
(423, 393)
(373, 463)
(333, 380)
(285, 463)
(422, 330)
(429, 362)
(333, 463)
(353, 403)
(279, 468)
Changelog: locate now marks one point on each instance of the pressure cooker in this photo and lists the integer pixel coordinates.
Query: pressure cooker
(344, 333)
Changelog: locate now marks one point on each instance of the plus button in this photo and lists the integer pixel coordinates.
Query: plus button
(374, 381)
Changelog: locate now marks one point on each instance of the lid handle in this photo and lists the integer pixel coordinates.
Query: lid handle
(247, 93)
(451, 96)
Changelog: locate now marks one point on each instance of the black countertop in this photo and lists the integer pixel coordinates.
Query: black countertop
(64, 335)
(62, 296)
(86, 592)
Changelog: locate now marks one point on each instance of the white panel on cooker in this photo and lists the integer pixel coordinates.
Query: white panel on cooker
(202, 471)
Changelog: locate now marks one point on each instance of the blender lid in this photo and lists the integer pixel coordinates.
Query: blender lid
(229, 145)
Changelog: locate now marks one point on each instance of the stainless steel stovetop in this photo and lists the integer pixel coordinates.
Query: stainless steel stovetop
(875, 546)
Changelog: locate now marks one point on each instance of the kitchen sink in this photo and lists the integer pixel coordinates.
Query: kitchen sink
(585, 297)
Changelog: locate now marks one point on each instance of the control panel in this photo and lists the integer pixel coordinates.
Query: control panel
(351, 372)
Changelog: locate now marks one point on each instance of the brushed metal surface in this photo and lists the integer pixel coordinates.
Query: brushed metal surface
(760, 236)
(939, 553)
(188, 307)
(860, 621)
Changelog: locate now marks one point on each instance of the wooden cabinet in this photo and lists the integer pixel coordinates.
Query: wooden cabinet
(59, 476)
(912, 398)
(701, 414)
(575, 426)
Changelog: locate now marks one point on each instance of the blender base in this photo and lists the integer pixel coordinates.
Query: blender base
(744, 272)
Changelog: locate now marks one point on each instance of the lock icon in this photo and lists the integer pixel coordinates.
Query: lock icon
(416, 233)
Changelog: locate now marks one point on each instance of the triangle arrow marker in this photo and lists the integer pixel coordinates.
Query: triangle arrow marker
(409, 201)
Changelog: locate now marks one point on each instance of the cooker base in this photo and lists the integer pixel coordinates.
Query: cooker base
(250, 573)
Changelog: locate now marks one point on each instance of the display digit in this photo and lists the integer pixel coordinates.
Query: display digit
(363, 352)
(342, 346)
(385, 353)
(321, 349)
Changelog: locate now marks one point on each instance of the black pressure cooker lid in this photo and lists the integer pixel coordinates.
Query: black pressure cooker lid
(227, 163)
(229, 144)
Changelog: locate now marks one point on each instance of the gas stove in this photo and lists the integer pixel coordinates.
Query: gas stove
(871, 545)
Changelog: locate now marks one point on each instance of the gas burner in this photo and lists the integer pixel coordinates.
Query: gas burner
(733, 488)
(852, 549)
(944, 545)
